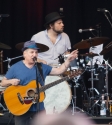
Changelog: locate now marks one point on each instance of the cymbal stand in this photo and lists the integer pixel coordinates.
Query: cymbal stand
(92, 71)
(106, 85)
(106, 82)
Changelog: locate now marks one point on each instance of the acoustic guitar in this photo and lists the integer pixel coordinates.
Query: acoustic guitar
(19, 98)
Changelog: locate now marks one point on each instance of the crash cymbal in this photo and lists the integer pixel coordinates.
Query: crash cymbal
(106, 49)
(89, 54)
(42, 47)
(84, 44)
(4, 46)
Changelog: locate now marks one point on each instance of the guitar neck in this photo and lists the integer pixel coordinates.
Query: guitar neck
(43, 88)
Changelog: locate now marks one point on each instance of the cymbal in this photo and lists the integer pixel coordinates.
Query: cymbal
(89, 54)
(84, 44)
(4, 46)
(106, 49)
(42, 47)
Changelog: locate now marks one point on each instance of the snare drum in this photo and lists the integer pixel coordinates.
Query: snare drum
(58, 97)
(1, 77)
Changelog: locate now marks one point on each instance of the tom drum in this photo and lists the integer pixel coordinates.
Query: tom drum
(1, 88)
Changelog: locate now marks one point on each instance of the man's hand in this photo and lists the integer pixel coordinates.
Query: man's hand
(73, 55)
(15, 81)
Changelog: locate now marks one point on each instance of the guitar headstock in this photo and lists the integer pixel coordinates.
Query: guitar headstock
(75, 73)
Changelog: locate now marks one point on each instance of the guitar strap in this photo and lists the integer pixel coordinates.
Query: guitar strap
(40, 70)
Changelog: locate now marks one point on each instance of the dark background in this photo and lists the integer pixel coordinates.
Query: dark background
(27, 18)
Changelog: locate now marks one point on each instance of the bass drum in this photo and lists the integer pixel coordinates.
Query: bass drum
(58, 97)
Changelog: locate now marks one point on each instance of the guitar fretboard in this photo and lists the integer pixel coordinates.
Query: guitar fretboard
(53, 84)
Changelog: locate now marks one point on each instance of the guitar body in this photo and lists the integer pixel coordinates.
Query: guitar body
(13, 102)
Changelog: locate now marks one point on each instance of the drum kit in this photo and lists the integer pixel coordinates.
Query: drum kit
(64, 98)
(92, 97)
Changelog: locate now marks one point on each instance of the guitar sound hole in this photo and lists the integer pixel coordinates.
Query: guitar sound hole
(31, 93)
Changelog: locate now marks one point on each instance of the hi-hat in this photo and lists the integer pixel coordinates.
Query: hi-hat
(84, 44)
(89, 54)
(106, 49)
(4, 46)
(42, 47)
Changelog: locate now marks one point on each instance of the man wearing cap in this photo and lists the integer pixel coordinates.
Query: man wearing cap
(24, 71)
(53, 37)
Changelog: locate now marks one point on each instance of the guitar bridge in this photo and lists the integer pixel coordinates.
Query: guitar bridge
(28, 100)
(20, 98)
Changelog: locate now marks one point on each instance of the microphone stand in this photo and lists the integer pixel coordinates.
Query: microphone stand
(108, 19)
(38, 93)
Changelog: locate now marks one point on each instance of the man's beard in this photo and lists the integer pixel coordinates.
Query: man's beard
(57, 31)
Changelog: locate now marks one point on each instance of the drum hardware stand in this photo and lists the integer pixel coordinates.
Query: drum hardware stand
(96, 103)
(92, 79)
(75, 108)
(83, 88)
(10, 59)
(74, 97)
(106, 81)
(61, 57)
(3, 109)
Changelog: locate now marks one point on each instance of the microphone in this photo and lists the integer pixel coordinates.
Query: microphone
(4, 15)
(61, 11)
(35, 59)
(85, 30)
(102, 10)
